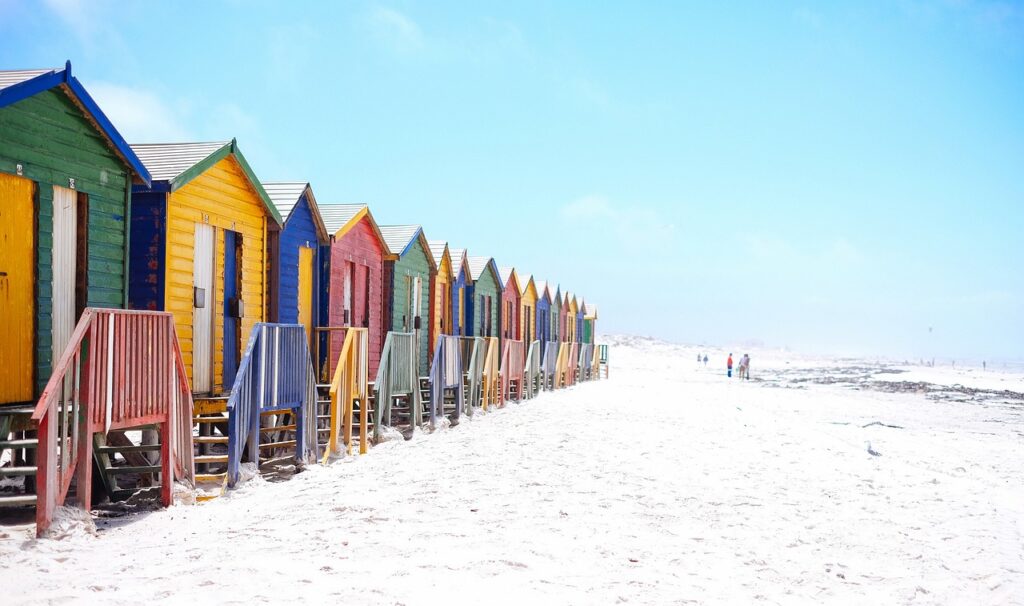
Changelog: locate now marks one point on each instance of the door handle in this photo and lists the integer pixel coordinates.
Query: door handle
(3, 274)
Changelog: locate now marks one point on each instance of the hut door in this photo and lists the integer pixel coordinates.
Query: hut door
(233, 307)
(65, 267)
(306, 290)
(202, 310)
(17, 288)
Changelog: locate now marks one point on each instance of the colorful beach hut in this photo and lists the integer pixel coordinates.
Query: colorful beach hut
(581, 307)
(571, 308)
(410, 273)
(557, 324)
(483, 297)
(440, 293)
(590, 324)
(510, 297)
(543, 324)
(353, 271)
(528, 310)
(199, 250)
(462, 281)
(294, 256)
(65, 177)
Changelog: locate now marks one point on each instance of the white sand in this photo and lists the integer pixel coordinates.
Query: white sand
(668, 484)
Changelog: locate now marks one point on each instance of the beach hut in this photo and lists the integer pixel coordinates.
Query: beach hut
(294, 256)
(528, 313)
(543, 313)
(410, 273)
(483, 297)
(571, 311)
(65, 177)
(511, 294)
(353, 271)
(440, 293)
(199, 250)
(581, 312)
(557, 328)
(590, 324)
(462, 281)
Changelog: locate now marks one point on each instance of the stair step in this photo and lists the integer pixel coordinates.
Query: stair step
(201, 459)
(210, 439)
(133, 469)
(6, 411)
(211, 477)
(279, 428)
(122, 493)
(285, 444)
(135, 448)
(213, 419)
(16, 500)
(18, 471)
(25, 443)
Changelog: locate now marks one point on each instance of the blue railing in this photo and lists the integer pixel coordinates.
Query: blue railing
(276, 375)
(446, 373)
(397, 376)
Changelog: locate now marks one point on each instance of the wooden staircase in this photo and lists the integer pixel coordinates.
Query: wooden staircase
(18, 469)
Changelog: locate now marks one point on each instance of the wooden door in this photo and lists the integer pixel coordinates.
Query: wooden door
(202, 309)
(65, 266)
(306, 290)
(17, 288)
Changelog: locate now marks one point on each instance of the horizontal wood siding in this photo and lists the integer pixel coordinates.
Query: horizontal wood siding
(148, 246)
(360, 246)
(459, 322)
(543, 320)
(54, 141)
(439, 315)
(413, 263)
(486, 286)
(222, 197)
(299, 232)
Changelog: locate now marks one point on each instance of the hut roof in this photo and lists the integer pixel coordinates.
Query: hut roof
(285, 196)
(400, 239)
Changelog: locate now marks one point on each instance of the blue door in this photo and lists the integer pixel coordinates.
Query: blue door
(232, 306)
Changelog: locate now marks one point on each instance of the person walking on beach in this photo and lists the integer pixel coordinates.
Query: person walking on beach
(728, 366)
(705, 360)
(745, 365)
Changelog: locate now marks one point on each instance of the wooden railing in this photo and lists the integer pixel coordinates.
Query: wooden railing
(491, 385)
(602, 360)
(561, 366)
(323, 338)
(549, 365)
(348, 386)
(397, 376)
(120, 369)
(446, 373)
(513, 360)
(534, 378)
(275, 375)
(572, 364)
(473, 351)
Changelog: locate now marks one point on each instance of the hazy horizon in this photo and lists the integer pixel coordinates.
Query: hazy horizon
(835, 178)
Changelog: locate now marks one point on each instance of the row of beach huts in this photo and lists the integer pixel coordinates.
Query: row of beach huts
(166, 317)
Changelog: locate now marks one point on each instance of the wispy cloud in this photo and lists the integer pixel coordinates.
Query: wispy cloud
(395, 29)
(630, 225)
(140, 115)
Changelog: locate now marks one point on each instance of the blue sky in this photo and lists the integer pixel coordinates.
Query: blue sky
(830, 177)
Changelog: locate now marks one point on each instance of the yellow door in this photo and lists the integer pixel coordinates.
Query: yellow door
(17, 278)
(306, 291)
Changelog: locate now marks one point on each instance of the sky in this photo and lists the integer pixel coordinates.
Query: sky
(831, 177)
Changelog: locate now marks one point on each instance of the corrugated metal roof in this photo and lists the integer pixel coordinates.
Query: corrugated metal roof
(477, 265)
(524, 283)
(399, 237)
(505, 273)
(458, 256)
(165, 161)
(285, 195)
(591, 311)
(437, 250)
(17, 76)
(541, 287)
(336, 216)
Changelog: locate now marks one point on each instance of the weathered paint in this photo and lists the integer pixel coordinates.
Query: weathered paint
(300, 235)
(224, 197)
(571, 314)
(412, 267)
(17, 285)
(55, 141)
(461, 283)
(558, 317)
(510, 296)
(580, 312)
(441, 296)
(528, 313)
(359, 251)
(484, 292)
(306, 290)
(544, 315)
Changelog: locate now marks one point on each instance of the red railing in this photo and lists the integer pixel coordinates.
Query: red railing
(121, 369)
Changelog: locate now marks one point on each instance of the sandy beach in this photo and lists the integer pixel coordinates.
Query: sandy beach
(667, 484)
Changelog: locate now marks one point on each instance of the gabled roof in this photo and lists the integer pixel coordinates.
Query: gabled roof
(508, 274)
(439, 250)
(339, 219)
(526, 284)
(557, 294)
(400, 239)
(543, 290)
(591, 312)
(17, 85)
(478, 265)
(285, 196)
(174, 165)
(581, 305)
(459, 260)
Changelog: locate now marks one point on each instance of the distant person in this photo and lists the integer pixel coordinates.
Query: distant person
(705, 360)
(746, 366)
(983, 365)
(698, 359)
(728, 366)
